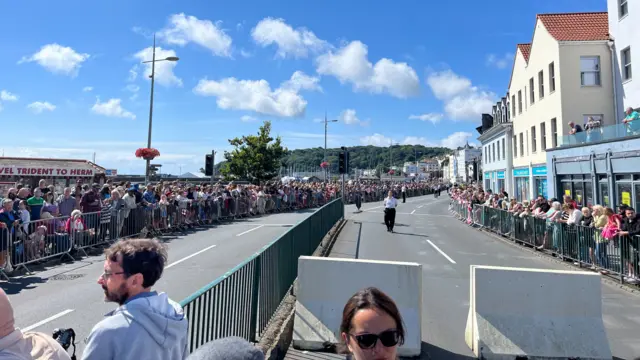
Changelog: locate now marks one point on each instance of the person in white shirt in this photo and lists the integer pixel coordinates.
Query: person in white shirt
(404, 194)
(390, 204)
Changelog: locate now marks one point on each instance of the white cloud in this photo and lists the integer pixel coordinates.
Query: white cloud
(245, 54)
(247, 118)
(111, 108)
(456, 139)
(39, 106)
(58, 59)
(376, 140)
(255, 95)
(351, 65)
(301, 81)
(87, 89)
(433, 117)
(183, 29)
(296, 43)
(164, 69)
(7, 96)
(133, 89)
(133, 74)
(452, 141)
(500, 62)
(350, 117)
(462, 100)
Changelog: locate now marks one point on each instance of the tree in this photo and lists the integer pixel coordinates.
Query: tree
(255, 158)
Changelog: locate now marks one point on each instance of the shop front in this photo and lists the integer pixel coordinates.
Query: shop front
(539, 180)
(57, 172)
(500, 185)
(522, 183)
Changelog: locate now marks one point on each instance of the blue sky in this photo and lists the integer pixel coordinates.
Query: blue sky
(412, 72)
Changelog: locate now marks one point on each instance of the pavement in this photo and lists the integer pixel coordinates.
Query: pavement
(428, 234)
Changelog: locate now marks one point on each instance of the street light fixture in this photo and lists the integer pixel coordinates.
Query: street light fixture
(153, 62)
(326, 122)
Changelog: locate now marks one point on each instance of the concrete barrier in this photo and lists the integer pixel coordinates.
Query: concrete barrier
(325, 285)
(535, 314)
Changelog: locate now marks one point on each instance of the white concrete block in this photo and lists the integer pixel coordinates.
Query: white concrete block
(325, 285)
(537, 314)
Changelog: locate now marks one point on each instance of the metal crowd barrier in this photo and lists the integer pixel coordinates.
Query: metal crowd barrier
(64, 237)
(243, 301)
(584, 246)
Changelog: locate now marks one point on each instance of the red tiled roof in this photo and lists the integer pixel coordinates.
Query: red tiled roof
(577, 26)
(525, 49)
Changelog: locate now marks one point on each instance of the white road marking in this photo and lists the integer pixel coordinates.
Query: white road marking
(40, 323)
(189, 257)
(441, 252)
(413, 212)
(249, 224)
(250, 230)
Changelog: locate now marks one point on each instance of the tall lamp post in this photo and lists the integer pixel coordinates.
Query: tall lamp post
(153, 62)
(326, 123)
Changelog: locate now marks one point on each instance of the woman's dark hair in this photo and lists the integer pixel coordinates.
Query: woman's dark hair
(370, 298)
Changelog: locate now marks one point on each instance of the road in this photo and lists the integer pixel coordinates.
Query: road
(426, 233)
(67, 295)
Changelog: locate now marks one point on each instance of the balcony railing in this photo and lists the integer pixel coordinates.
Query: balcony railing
(603, 133)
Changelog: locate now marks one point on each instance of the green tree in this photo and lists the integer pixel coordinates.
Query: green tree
(255, 158)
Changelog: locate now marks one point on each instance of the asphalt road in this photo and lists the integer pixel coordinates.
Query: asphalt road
(68, 295)
(426, 233)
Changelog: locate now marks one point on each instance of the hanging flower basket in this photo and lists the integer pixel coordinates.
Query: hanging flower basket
(324, 165)
(392, 172)
(147, 153)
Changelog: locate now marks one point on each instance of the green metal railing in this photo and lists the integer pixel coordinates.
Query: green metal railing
(243, 301)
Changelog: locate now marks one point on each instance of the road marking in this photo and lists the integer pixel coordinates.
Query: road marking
(40, 323)
(250, 230)
(413, 212)
(441, 252)
(249, 224)
(189, 257)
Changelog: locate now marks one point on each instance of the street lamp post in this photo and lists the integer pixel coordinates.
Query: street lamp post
(153, 62)
(326, 123)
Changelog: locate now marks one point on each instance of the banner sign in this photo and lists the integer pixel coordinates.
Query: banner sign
(45, 171)
(111, 172)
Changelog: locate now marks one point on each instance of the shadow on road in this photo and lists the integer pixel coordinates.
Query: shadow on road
(15, 286)
(418, 235)
(433, 352)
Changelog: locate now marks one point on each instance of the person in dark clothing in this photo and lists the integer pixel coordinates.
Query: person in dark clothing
(631, 229)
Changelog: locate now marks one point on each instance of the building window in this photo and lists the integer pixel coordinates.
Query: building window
(513, 105)
(515, 146)
(504, 150)
(533, 139)
(625, 55)
(499, 151)
(554, 132)
(521, 144)
(519, 101)
(541, 84)
(532, 97)
(623, 10)
(493, 150)
(590, 70)
(486, 158)
(552, 77)
(543, 136)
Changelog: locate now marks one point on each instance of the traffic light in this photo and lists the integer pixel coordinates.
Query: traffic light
(343, 162)
(208, 165)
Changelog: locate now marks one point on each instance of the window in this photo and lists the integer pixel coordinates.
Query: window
(590, 70)
(543, 136)
(498, 150)
(493, 150)
(513, 105)
(515, 146)
(533, 139)
(519, 101)
(541, 84)
(521, 144)
(486, 160)
(504, 150)
(625, 56)
(623, 10)
(552, 77)
(554, 132)
(532, 97)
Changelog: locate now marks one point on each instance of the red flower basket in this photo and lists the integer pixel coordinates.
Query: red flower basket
(392, 172)
(324, 165)
(147, 153)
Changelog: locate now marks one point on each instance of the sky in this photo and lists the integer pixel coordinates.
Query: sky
(73, 85)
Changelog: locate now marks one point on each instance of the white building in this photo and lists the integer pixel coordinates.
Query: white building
(462, 168)
(564, 75)
(624, 28)
(497, 158)
(410, 168)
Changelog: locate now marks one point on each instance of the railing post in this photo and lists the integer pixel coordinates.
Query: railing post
(255, 292)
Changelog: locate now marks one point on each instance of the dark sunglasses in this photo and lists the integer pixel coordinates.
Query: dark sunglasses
(388, 338)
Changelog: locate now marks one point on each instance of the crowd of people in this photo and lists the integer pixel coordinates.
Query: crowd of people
(40, 223)
(604, 239)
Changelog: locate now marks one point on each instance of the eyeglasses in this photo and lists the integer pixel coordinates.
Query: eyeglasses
(105, 275)
(388, 338)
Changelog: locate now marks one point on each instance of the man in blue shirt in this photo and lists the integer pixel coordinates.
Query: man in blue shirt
(632, 121)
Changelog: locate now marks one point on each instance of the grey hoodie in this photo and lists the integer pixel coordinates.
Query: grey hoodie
(149, 326)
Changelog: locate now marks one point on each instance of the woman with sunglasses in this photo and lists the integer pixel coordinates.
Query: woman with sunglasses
(371, 327)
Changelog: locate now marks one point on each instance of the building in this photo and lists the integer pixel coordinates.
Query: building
(564, 75)
(466, 164)
(496, 135)
(624, 17)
